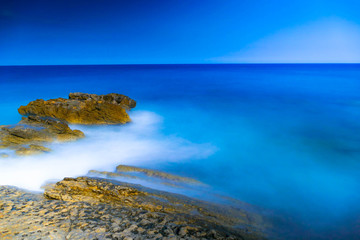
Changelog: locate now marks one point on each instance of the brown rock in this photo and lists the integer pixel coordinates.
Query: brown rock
(113, 98)
(91, 190)
(55, 128)
(32, 149)
(28, 136)
(25, 215)
(82, 108)
(155, 173)
(95, 190)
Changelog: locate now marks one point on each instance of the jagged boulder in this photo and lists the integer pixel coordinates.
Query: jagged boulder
(113, 98)
(82, 108)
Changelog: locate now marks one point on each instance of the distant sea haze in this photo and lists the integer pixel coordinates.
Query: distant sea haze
(284, 137)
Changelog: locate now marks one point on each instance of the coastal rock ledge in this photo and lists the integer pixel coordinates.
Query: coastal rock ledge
(83, 108)
(47, 121)
(31, 133)
(93, 208)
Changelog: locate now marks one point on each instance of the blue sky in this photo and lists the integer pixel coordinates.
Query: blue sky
(182, 31)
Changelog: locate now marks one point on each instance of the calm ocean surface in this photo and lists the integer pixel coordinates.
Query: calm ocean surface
(283, 137)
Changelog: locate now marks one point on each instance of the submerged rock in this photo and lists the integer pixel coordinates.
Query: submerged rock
(155, 173)
(82, 108)
(32, 132)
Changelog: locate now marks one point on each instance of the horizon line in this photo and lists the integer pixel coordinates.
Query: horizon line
(134, 64)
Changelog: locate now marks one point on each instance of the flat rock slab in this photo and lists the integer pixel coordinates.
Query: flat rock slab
(25, 215)
(115, 193)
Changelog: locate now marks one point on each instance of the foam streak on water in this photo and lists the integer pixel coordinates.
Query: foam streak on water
(103, 149)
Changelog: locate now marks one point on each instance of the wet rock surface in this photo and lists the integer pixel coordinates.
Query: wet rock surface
(82, 108)
(47, 121)
(121, 169)
(137, 196)
(112, 98)
(32, 132)
(88, 208)
(170, 181)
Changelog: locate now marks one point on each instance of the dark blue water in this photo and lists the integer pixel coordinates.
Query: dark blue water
(282, 137)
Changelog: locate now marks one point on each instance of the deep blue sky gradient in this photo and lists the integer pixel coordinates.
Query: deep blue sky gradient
(171, 31)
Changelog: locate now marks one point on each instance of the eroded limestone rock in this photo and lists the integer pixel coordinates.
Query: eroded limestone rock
(47, 121)
(32, 132)
(32, 150)
(113, 98)
(82, 108)
(93, 191)
(155, 173)
(25, 215)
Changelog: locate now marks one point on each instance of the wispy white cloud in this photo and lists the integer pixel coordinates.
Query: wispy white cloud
(329, 40)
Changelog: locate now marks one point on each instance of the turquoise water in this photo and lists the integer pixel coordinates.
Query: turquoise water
(282, 137)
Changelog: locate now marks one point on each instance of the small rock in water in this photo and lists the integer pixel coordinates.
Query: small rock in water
(32, 149)
(32, 132)
(83, 108)
(47, 121)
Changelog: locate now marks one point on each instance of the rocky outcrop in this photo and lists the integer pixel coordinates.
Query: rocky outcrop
(25, 215)
(32, 149)
(112, 98)
(149, 177)
(82, 108)
(193, 212)
(154, 173)
(47, 121)
(32, 132)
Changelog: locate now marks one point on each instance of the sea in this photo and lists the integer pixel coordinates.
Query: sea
(282, 137)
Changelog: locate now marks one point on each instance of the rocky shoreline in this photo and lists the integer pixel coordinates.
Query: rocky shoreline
(94, 208)
(100, 206)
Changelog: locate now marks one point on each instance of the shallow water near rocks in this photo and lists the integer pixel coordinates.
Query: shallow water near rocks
(282, 137)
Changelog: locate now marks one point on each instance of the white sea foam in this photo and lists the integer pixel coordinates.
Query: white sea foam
(105, 147)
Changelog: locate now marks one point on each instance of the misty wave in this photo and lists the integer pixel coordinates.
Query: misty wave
(104, 147)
